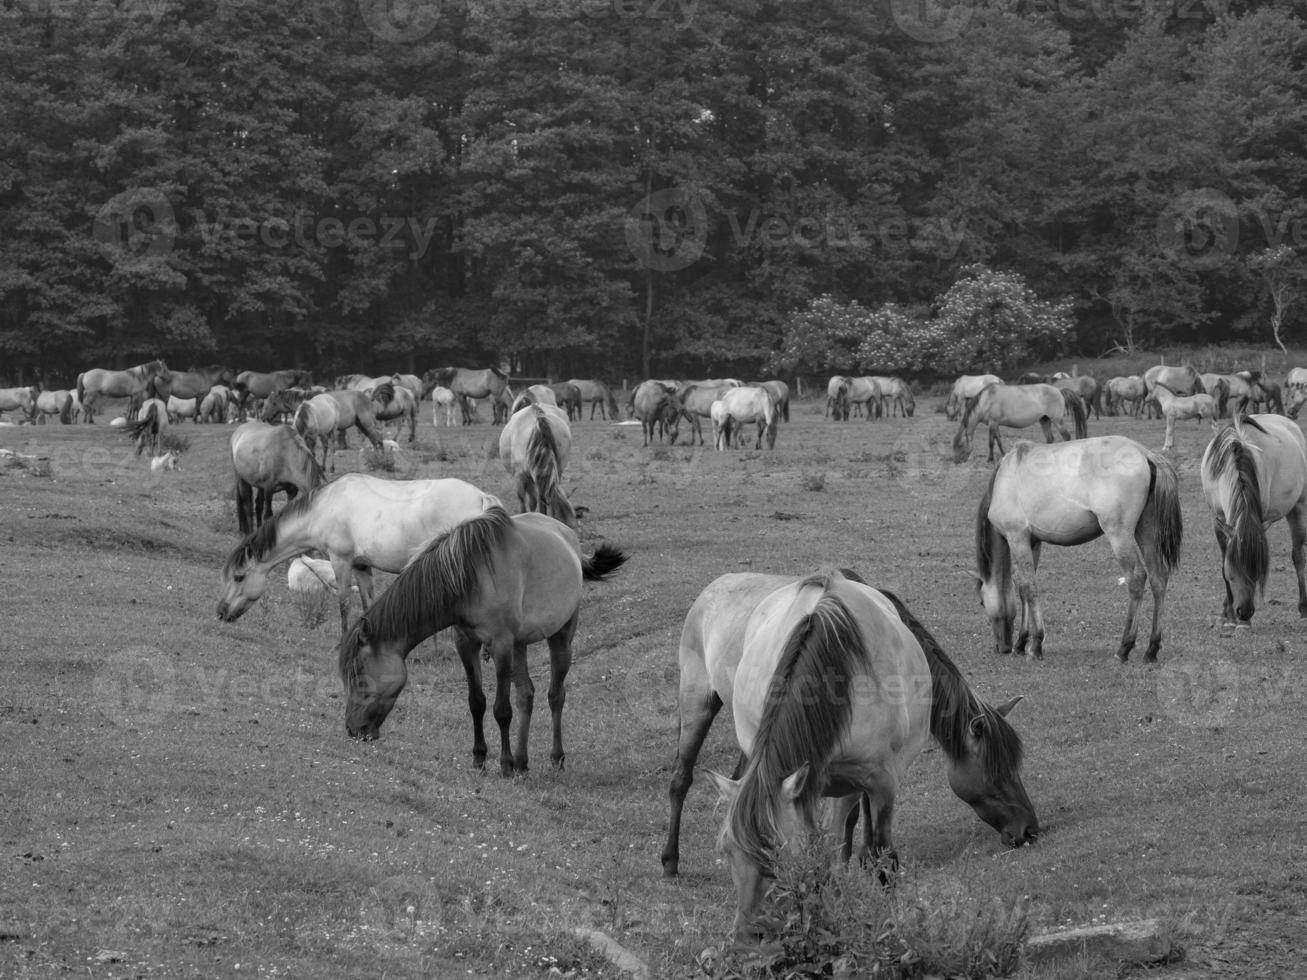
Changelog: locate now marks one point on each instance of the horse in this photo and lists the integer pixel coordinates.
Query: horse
(1125, 389)
(358, 382)
(837, 398)
(267, 458)
(863, 392)
(197, 382)
(281, 405)
(213, 406)
(1183, 380)
(182, 408)
(307, 574)
(1068, 494)
(467, 383)
(695, 402)
(743, 405)
(60, 402)
(787, 653)
(780, 394)
(252, 387)
(965, 388)
(1173, 406)
(1087, 387)
(149, 426)
(533, 395)
(1254, 473)
(656, 408)
(898, 395)
(503, 583)
(360, 522)
(534, 446)
(1245, 390)
(1018, 406)
(395, 401)
(597, 394)
(568, 397)
(349, 409)
(1274, 400)
(1218, 387)
(97, 382)
(442, 398)
(165, 462)
(1295, 386)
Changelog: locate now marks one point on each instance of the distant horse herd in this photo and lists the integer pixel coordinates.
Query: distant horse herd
(782, 650)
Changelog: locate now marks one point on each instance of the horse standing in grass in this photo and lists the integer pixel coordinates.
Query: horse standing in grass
(780, 394)
(503, 583)
(467, 383)
(1125, 395)
(1087, 387)
(745, 405)
(252, 387)
(1254, 473)
(1218, 387)
(267, 458)
(1183, 380)
(534, 446)
(1018, 406)
(1178, 407)
(568, 397)
(96, 383)
(1068, 494)
(392, 401)
(837, 398)
(60, 403)
(149, 426)
(789, 653)
(657, 409)
(965, 388)
(597, 394)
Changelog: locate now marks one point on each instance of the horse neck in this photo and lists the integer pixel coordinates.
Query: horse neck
(298, 530)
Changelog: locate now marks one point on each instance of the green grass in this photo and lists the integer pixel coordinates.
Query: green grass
(182, 792)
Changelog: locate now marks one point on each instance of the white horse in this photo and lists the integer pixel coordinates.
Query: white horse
(1173, 406)
(966, 387)
(442, 399)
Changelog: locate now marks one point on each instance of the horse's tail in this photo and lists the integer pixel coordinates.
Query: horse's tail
(539, 482)
(1164, 508)
(147, 425)
(1076, 406)
(605, 559)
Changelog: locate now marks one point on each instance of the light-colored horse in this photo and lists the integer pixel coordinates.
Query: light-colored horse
(1254, 473)
(1086, 386)
(214, 405)
(1182, 380)
(267, 458)
(149, 425)
(183, 408)
(442, 400)
(392, 401)
(597, 393)
(360, 523)
(1178, 407)
(1295, 391)
(533, 395)
(789, 659)
(1068, 494)
(780, 394)
(745, 405)
(61, 402)
(1125, 395)
(534, 446)
(316, 420)
(695, 399)
(866, 395)
(896, 394)
(468, 383)
(965, 388)
(837, 398)
(1018, 406)
(22, 399)
(96, 383)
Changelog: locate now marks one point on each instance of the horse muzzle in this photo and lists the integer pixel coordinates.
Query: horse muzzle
(230, 613)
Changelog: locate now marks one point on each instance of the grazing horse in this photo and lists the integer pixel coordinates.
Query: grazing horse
(442, 399)
(780, 394)
(252, 387)
(568, 398)
(360, 522)
(98, 382)
(1274, 400)
(863, 392)
(965, 388)
(596, 393)
(744, 405)
(20, 400)
(267, 458)
(1017, 406)
(1254, 473)
(1173, 406)
(657, 409)
(1183, 380)
(1068, 494)
(837, 398)
(533, 395)
(898, 395)
(534, 446)
(467, 383)
(788, 653)
(1295, 387)
(695, 399)
(1087, 387)
(1125, 395)
(393, 401)
(328, 415)
(282, 404)
(148, 426)
(213, 406)
(197, 382)
(503, 583)
(58, 402)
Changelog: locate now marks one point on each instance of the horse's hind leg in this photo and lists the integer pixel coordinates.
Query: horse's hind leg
(526, 695)
(1297, 520)
(698, 705)
(1130, 559)
(1025, 563)
(560, 662)
(469, 649)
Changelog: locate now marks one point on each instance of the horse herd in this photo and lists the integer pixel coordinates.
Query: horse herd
(835, 686)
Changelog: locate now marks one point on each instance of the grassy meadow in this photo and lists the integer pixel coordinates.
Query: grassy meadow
(178, 797)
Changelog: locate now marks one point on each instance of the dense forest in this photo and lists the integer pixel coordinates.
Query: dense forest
(611, 187)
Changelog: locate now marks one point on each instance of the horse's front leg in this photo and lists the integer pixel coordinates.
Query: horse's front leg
(363, 578)
(1227, 610)
(1297, 519)
(469, 650)
(844, 820)
(344, 572)
(995, 440)
(1024, 563)
(560, 662)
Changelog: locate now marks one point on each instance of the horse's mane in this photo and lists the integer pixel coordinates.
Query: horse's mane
(439, 577)
(796, 727)
(953, 705)
(263, 539)
(1229, 463)
(384, 393)
(990, 552)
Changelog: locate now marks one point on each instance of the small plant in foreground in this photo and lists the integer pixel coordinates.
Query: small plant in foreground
(375, 460)
(813, 482)
(312, 607)
(173, 442)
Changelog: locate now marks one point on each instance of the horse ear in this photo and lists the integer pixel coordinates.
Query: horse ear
(1007, 706)
(727, 788)
(978, 726)
(793, 784)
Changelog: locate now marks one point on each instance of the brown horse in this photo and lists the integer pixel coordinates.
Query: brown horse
(267, 458)
(468, 383)
(98, 382)
(596, 393)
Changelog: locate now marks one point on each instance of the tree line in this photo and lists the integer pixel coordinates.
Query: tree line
(605, 187)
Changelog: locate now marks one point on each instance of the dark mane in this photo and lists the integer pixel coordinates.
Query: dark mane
(990, 547)
(797, 726)
(437, 579)
(384, 393)
(1247, 549)
(263, 539)
(953, 705)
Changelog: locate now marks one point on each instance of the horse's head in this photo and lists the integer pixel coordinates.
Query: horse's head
(243, 581)
(374, 674)
(750, 871)
(986, 775)
(999, 598)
